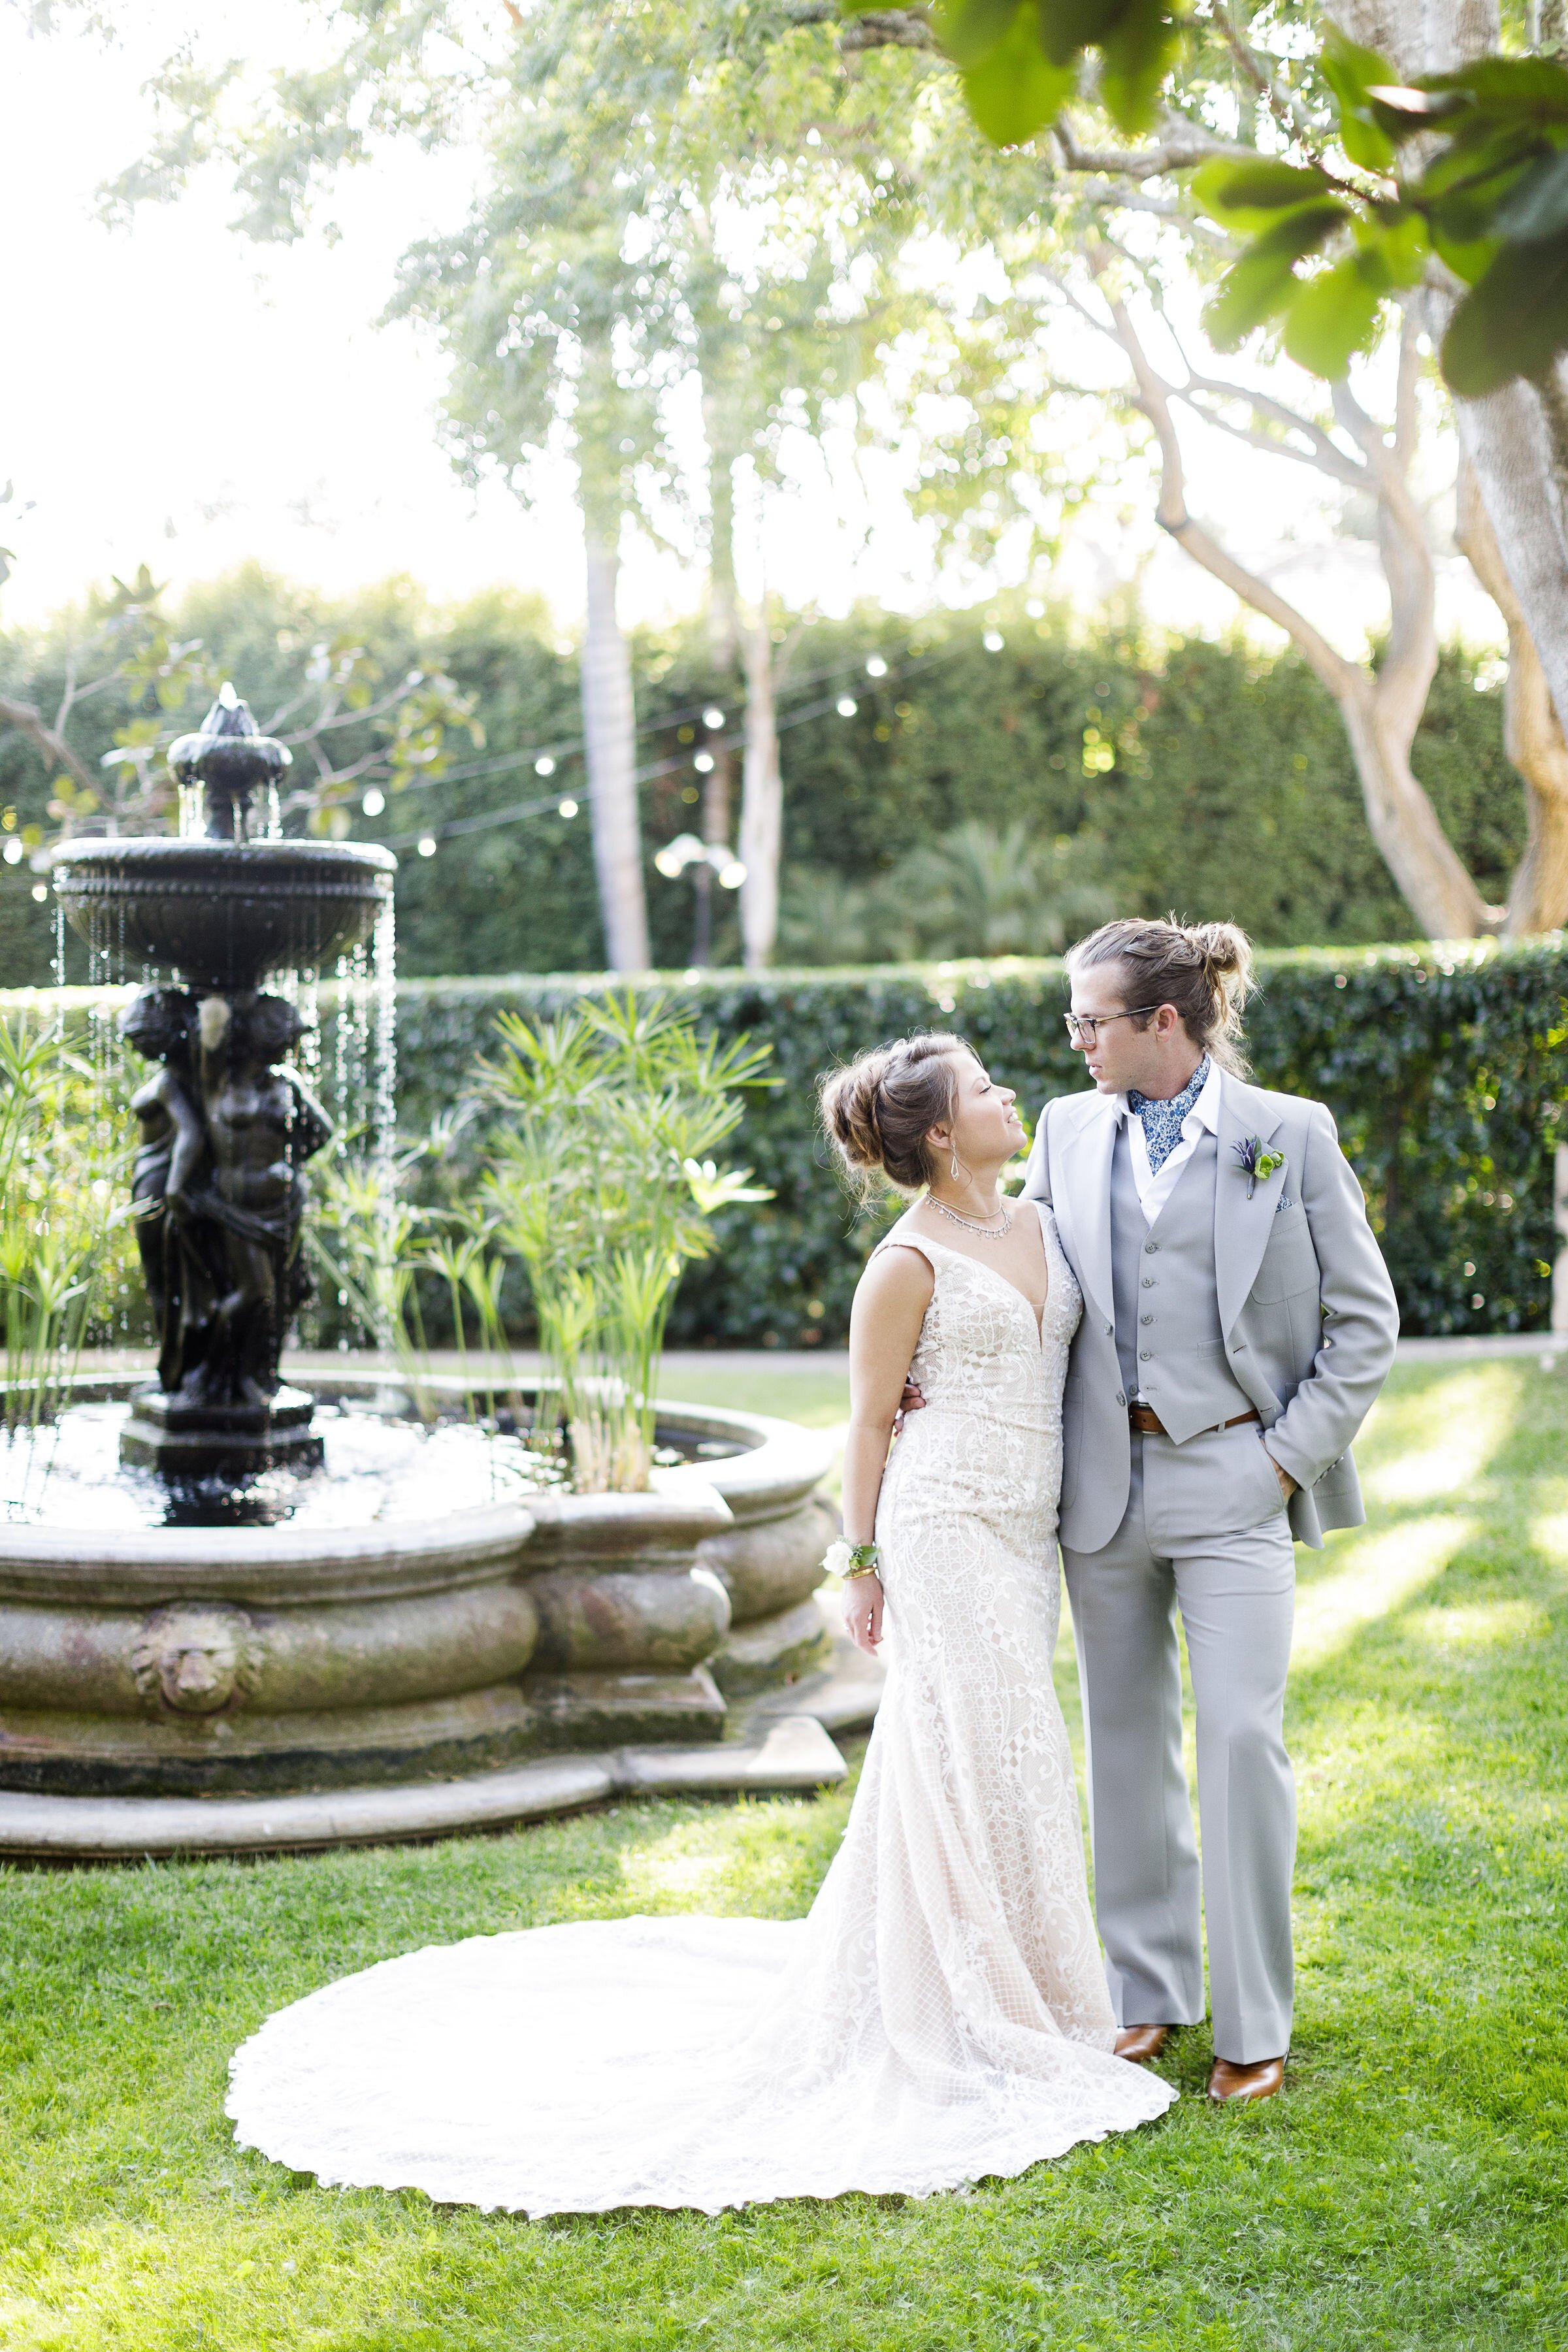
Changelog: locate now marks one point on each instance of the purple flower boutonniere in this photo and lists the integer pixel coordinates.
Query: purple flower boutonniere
(1257, 1165)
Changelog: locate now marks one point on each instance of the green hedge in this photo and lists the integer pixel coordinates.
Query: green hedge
(1230, 790)
(1443, 1067)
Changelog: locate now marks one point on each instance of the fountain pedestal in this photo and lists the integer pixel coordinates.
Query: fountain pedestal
(227, 1125)
(192, 1440)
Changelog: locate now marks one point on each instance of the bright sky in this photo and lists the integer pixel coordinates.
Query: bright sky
(175, 396)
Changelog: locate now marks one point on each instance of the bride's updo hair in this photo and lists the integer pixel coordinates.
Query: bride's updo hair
(1204, 970)
(878, 1112)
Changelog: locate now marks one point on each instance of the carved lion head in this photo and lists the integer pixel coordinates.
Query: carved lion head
(197, 1657)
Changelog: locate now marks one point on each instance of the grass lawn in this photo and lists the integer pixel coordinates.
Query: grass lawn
(1408, 2192)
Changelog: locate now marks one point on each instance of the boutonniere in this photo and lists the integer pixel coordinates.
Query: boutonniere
(1257, 1165)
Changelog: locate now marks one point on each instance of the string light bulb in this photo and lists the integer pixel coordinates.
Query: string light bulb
(544, 767)
(567, 808)
(426, 845)
(703, 763)
(713, 717)
(374, 802)
(847, 705)
(876, 667)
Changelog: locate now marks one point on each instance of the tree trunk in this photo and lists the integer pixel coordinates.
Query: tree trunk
(762, 799)
(1515, 443)
(723, 648)
(1532, 738)
(1430, 877)
(609, 733)
(1381, 711)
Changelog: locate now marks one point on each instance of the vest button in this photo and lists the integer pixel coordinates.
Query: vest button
(1150, 1247)
(1121, 1399)
(1145, 1355)
(1148, 1282)
(1145, 1318)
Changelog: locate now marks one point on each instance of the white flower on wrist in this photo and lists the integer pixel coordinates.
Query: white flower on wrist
(838, 1558)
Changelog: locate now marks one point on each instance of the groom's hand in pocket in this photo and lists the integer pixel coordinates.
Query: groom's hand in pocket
(911, 1402)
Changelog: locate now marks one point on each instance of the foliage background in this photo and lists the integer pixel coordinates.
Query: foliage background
(1196, 775)
(1445, 1070)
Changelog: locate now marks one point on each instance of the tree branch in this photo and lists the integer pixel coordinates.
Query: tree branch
(1324, 456)
(1183, 146)
(36, 727)
(1344, 680)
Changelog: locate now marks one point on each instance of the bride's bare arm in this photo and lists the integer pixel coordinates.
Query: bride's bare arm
(884, 1330)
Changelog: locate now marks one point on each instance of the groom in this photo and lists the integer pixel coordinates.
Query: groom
(1238, 1324)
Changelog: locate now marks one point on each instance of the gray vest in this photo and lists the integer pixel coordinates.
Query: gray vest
(1168, 1336)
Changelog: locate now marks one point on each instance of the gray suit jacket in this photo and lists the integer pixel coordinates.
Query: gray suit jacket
(1306, 1306)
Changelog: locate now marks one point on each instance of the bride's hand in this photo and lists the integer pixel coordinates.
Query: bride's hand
(863, 1612)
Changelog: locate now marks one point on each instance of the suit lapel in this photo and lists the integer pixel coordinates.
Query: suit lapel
(1085, 1195)
(1241, 1226)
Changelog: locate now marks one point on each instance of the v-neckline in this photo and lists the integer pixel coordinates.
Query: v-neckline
(1038, 1318)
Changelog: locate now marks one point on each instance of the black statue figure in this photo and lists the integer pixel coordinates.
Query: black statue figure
(179, 1265)
(227, 1128)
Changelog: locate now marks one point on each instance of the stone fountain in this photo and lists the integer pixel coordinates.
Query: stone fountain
(229, 1671)
(226, 1126)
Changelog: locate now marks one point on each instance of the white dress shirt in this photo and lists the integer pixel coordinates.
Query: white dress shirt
(1154, 1187)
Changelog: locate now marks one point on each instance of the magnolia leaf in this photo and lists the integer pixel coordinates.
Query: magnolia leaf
(1137, 56)
(1537, 206)
(1513, 321)
(1259, 283)
(1350, 71)
(1017, 92)
(970, 30)
(1333, 315)
(1517, 91)
(1249, 195)
(1065, 27)
(1469, 259)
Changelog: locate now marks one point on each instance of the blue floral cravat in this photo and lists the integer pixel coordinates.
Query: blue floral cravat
(1163, 1120)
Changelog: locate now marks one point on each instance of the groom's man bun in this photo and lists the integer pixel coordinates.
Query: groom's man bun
(1204, 970)
(878, 1109)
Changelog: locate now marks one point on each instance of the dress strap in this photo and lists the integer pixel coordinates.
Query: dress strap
(897, 1240)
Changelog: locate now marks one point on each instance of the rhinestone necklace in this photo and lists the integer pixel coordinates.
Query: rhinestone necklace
(985, 1233)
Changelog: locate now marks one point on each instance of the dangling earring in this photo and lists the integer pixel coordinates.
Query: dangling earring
(955, 1167)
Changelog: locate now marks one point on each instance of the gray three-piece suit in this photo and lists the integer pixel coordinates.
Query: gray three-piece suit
(1268, 1297)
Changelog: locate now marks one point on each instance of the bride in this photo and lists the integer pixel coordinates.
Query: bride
(941, 2013)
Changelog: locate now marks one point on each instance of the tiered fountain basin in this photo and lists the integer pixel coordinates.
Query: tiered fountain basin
(164, 1686)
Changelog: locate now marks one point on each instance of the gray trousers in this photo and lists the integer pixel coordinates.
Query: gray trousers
(1235, 1592)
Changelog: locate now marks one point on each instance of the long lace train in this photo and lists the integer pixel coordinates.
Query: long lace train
(941, 2014)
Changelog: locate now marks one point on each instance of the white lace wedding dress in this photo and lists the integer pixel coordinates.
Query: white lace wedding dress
(941, 2013)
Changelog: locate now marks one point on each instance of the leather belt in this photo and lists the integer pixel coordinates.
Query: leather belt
(1146, 1418)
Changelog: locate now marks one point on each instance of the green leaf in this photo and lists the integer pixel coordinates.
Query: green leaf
(1138, 55)
(1468, 258)
(1017, 92)
(1350, 71)
(1512, 323)
(1509, 89)
(1248, 194)
(970, 30)
(1259, 283)
(1067, 27)
(1333, 315)
(1538, 205)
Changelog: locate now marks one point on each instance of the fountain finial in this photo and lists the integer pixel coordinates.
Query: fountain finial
(228, 757)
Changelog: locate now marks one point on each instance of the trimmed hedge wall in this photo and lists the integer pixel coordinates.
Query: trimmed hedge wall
(1444, 1068)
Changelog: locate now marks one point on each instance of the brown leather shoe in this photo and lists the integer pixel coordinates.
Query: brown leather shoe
(1141, 2042)
(1230, 2085)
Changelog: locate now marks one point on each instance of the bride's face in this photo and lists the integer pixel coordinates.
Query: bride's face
(984, 1129)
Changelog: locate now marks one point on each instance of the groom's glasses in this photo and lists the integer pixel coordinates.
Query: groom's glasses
(1083, 1028)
